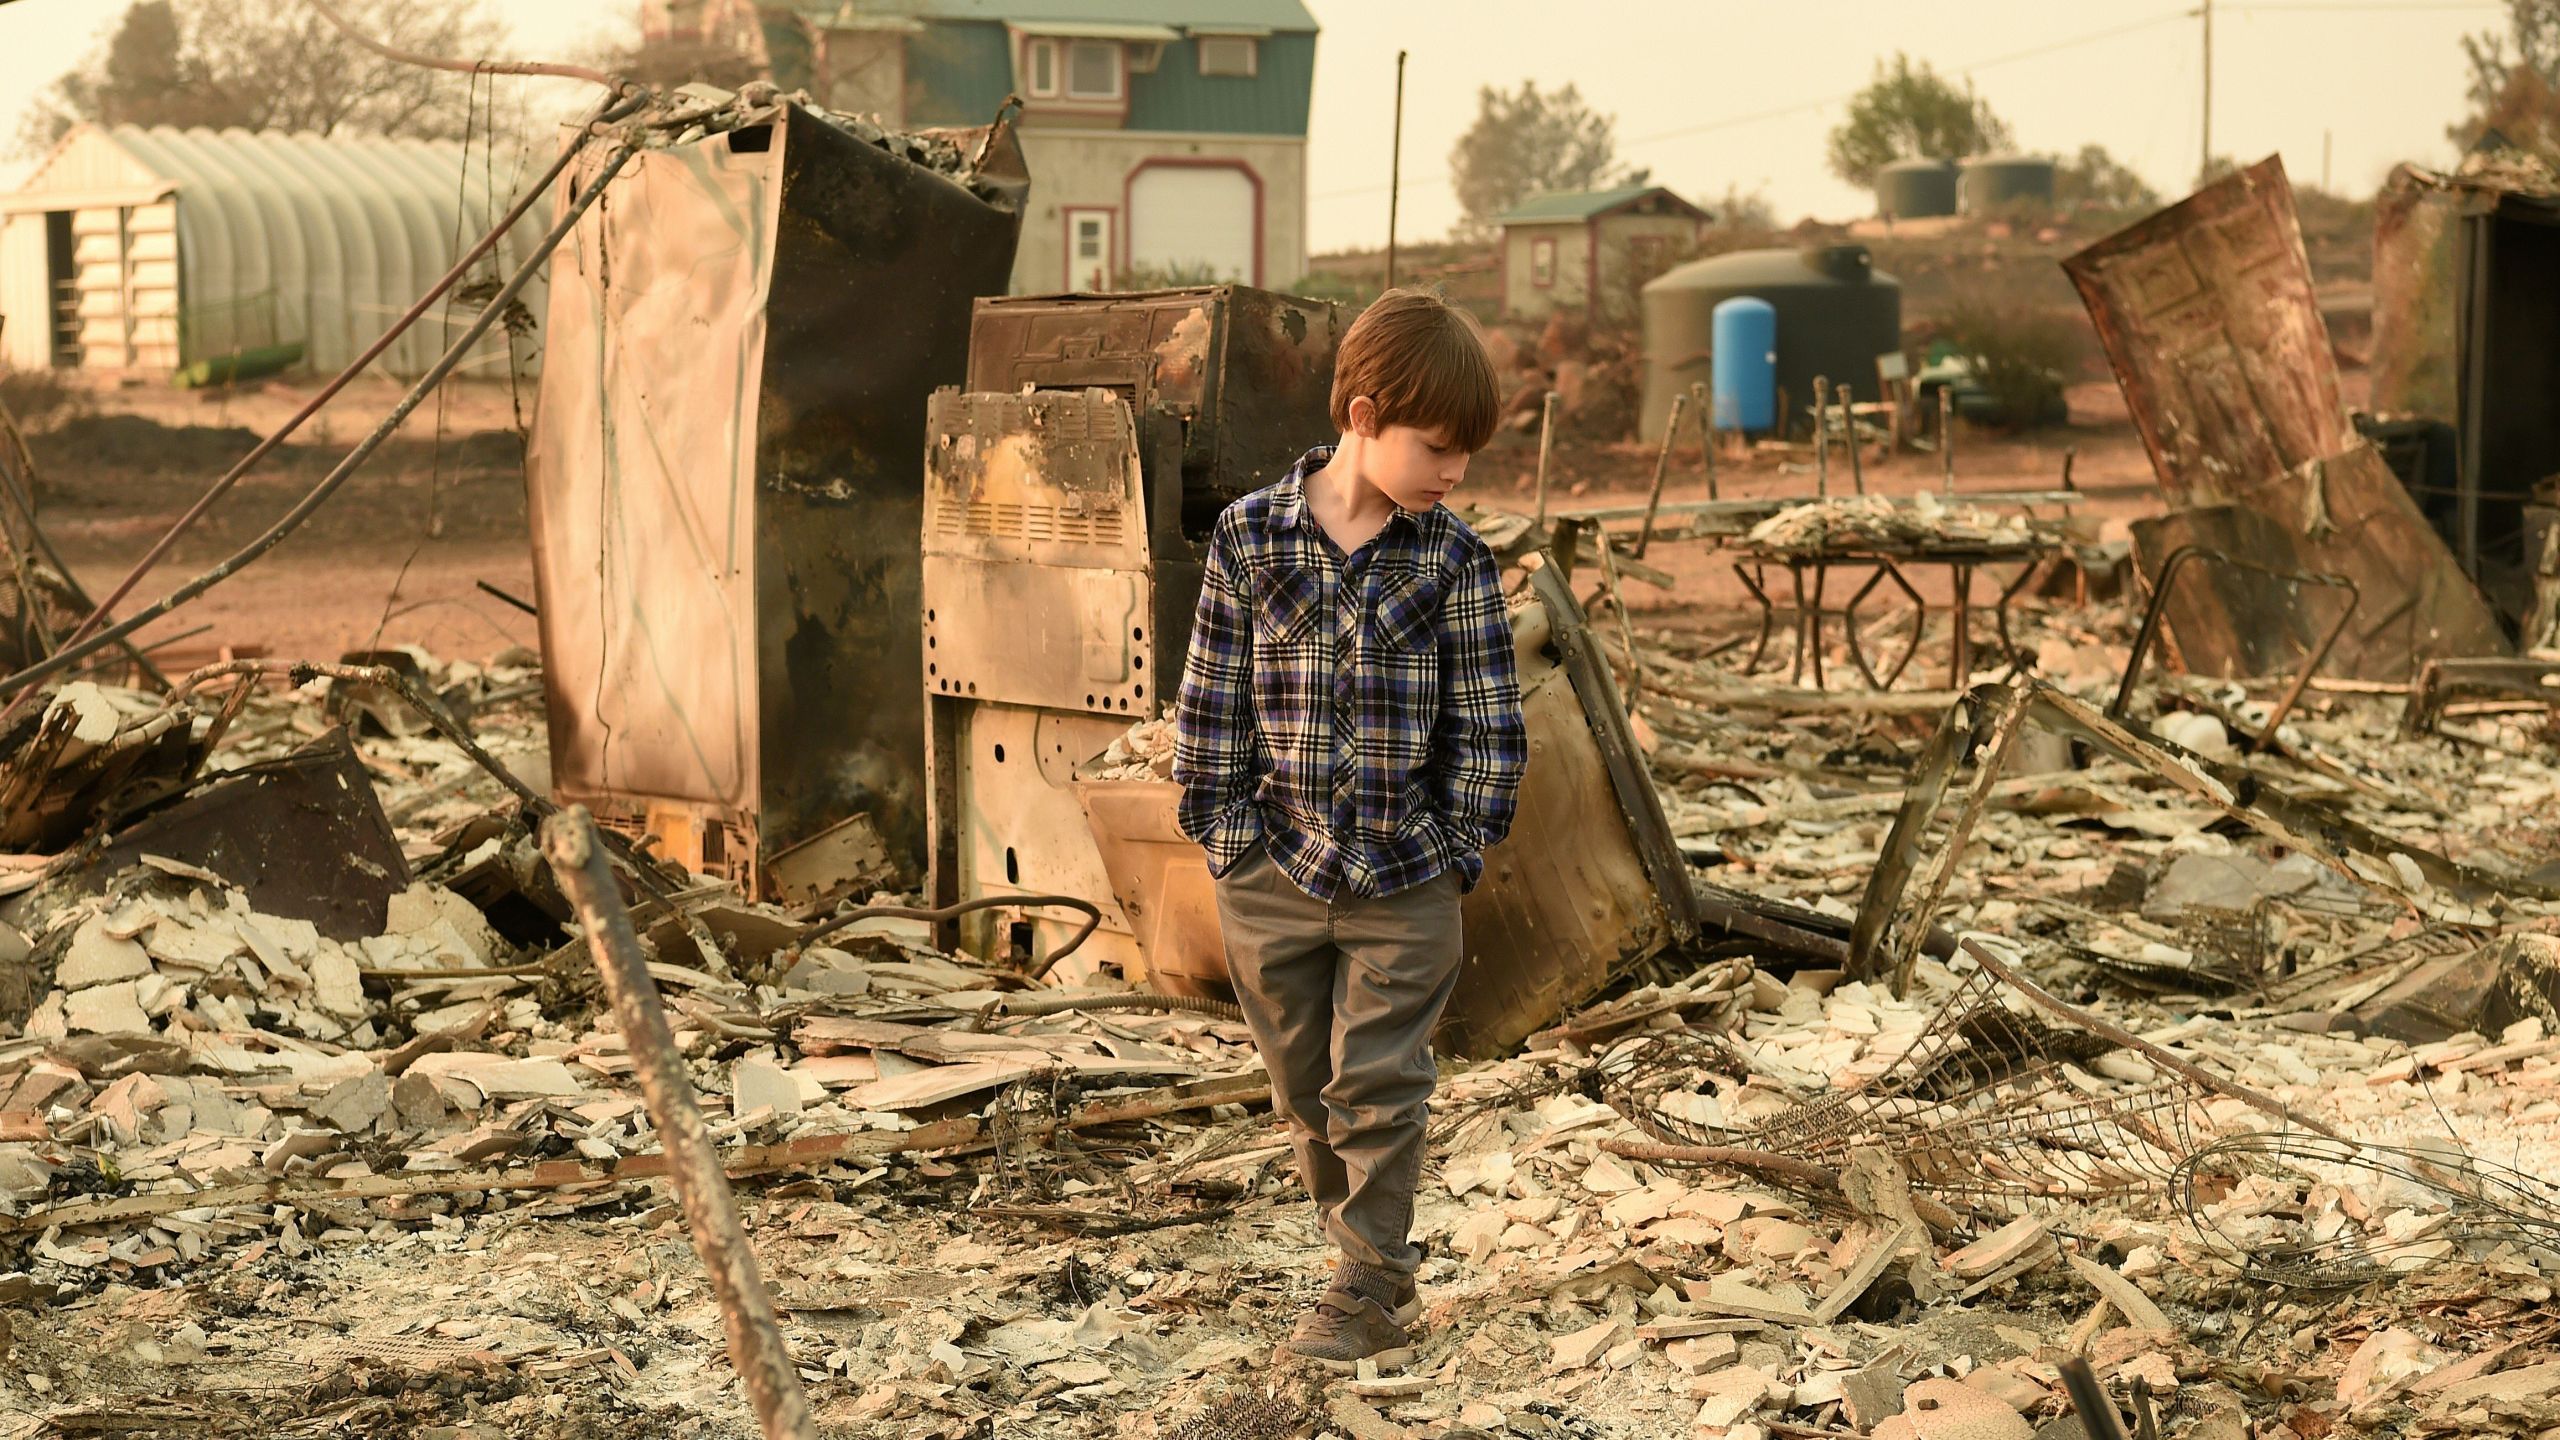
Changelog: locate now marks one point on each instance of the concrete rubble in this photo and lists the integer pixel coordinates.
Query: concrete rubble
(226, 1136)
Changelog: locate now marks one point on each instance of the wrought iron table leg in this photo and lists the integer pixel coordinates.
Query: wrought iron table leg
(1813, 619)
(1849, 624)
(1768, 614)
(1962, 672)
(1919, 623)
(2000, 611)
(1795, 577)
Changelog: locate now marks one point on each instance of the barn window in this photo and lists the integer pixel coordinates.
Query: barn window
(1228, 55)
(1093, 70)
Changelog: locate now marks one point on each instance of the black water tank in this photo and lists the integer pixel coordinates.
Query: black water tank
(1836, 314)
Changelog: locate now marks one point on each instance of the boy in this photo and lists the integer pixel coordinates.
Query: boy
(1349, 745)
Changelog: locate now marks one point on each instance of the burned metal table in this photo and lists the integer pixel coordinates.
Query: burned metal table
(1885, 563)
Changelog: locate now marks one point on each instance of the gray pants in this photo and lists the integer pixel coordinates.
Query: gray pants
(1342, 996)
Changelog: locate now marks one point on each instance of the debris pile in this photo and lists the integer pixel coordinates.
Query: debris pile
(1886, 521)
(1740, 1195)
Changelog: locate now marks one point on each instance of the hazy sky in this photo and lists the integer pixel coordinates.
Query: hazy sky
(1717, 93)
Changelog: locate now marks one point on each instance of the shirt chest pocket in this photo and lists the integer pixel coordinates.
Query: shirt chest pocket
(1285, 607)
(1408, 620)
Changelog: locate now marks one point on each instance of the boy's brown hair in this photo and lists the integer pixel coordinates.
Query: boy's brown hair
(1423, 362)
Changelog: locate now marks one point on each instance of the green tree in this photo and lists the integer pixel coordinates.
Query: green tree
(271, 66)
(1531, 143)
(2514, 87)
(2099, 181)
(1907, 112)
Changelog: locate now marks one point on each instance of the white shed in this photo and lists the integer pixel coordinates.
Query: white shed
(152, 248)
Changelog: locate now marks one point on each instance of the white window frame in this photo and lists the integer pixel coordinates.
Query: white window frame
(1201, 44)
(1035, 50)
(1067, 74)
(1542, 261)
(1143, 56)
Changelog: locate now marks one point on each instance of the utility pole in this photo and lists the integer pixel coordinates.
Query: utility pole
(2204, 167)
(1395, 172)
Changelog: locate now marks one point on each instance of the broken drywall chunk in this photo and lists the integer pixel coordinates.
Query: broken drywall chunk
(1727, 1395)
(354, 1104)
(95, 957)
(1952, 1410)
(337, 986)
(106, 1009)
(762, 1085)
(499, 1077)
(1574, 1351)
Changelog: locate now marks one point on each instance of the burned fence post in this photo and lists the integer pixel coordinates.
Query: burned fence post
(746, 1307)
(1877, 945)
(1821, 437)
(1849, 431)
(1706, 433)
(1661, 472)
(1546, 448)
(1947, 438)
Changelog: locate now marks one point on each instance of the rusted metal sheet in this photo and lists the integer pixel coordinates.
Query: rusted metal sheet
(723, 479)
(2208, 316)
(2362, 525)
(1589, 881)
(1035, 552)
(303, 837)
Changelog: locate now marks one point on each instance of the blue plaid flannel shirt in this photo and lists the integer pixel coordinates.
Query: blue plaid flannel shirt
(1360, 714)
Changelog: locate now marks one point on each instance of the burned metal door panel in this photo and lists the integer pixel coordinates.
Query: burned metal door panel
(877, 262)
(1035, 552)
(2417, 289)
(639, 482)
(2209, 318)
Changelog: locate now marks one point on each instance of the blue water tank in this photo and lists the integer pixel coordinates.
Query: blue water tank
(1745, 333)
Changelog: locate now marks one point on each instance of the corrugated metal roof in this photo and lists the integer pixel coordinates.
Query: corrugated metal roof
(1566, 205)
(1276, 14)
(345, 233)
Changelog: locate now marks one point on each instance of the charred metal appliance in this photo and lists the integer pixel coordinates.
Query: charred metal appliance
(723, 485)
(1070, 488)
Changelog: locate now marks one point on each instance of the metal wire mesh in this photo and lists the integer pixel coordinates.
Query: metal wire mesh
(2464, 1207)
(1987, 1110)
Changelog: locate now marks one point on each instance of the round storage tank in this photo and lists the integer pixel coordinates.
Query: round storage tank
(1836, 314)
(1916, 189)
(1992, 183)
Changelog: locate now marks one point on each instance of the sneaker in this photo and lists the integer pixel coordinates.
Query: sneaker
(1362, 1315)
(1344, 1329)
